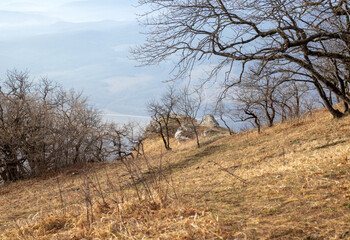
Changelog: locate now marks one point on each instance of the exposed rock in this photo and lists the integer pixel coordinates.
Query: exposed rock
(183, 134)
(209, 121)
(208, 132)
(173, 124)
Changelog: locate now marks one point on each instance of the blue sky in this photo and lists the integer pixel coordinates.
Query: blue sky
(81, 44)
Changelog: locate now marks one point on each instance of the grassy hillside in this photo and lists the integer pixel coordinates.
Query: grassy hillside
(291, 181)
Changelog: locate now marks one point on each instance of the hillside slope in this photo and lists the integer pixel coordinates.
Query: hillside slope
(291, 181)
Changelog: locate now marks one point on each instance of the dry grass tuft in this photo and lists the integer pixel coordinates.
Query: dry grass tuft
(132, 220)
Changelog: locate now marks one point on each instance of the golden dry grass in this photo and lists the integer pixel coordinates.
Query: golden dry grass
(296, 186)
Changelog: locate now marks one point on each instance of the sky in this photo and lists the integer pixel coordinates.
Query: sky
(84, 45)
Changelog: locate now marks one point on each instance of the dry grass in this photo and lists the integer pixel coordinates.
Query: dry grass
(37, 211)
(133, 220)
(296, 187)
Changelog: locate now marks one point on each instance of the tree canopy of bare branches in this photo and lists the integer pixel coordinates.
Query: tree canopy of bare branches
(43, 128)
(163, 114)
(310, 39)
(190, 102)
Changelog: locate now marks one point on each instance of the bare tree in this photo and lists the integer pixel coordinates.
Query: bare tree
(264, 96)
(247, 109)
(225, 114)
(15, 113)
(162, 114)
(136, 135)
(42, 127)
(189, 105)
(257, 98)
(292, 99)
(298, 36)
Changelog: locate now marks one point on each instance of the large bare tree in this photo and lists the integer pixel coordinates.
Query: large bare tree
(300, 36)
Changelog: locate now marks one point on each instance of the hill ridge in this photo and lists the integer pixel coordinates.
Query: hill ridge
(296, 186)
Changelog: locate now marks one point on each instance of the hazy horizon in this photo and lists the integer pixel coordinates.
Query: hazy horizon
(82, 45)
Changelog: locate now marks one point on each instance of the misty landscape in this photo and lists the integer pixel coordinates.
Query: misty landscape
(153, 119)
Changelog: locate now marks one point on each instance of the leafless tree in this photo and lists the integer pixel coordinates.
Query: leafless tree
(15, 113)
(43, 127)
(292, 99)
(162, 114)
(265, 95)
(225, 114)
(299, 36)
(257, 97)
(136, 135)
(246, 108)
(190, 102)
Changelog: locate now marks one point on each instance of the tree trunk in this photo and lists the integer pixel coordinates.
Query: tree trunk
(195, 133)
(335, 113)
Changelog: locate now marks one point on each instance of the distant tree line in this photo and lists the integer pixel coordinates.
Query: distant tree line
(43, 127)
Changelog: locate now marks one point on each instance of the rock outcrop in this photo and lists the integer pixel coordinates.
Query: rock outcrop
(209, 132)
(184, 133)
(209, 121)
(154, 128)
